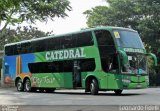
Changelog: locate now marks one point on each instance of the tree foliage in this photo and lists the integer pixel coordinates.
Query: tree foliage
(141, 15)
(18, 11)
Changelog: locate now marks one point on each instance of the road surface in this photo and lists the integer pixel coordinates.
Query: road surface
(68, 98)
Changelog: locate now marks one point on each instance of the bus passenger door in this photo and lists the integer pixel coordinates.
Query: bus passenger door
(76, 74)
(113, 73)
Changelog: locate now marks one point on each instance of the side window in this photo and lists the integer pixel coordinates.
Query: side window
(105, 43)
(87, 65)
(35, 46)
(104, 38)
(61, 66)
(19, 48)
(67, 66)
(57, 43)
(68, 42)
(51, 67)
(8, 50)
(38, 46)
(14, 47)
(50, 45)
(54, 44)
(41, 67)
(84, 39)
(24, 48)
(41, 45)
(11, 50)
(107, 50)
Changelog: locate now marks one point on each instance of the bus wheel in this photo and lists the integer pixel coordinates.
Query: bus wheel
(118, 92)
(27, 85)
(19, 85)
(94, 87)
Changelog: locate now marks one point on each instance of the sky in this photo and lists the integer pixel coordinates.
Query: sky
(75, 21)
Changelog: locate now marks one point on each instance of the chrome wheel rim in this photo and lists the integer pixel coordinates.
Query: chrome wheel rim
(92, 87)
(19, 85)
(27, 86)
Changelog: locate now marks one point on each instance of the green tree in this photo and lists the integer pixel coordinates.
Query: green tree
(14, 12)
(141, 15)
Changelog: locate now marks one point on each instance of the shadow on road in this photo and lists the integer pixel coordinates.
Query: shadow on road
(83, 93)
(101, 93)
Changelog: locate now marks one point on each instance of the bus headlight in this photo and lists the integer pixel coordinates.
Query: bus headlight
(126, 81)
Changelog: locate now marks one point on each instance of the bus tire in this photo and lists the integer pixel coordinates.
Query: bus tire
(27, 85)
(118, 92)
(94, 87)
(19, 85)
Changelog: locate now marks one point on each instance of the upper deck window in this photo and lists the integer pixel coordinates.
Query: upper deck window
(54, 43)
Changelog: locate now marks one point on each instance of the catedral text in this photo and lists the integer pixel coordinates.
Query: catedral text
(65, 54)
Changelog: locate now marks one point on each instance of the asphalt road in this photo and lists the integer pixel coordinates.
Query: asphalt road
(63, 99)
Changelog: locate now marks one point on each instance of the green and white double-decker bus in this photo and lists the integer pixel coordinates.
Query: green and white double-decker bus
(95, 59)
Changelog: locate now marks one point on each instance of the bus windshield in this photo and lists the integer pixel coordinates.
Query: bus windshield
(137, 64)
(128, 39)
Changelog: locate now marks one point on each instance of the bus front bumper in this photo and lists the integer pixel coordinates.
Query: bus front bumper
(135, 85)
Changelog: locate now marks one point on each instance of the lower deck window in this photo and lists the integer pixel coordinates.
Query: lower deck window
(61, 66)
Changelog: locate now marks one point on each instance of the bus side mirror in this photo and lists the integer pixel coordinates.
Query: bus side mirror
(124, 58)
(154, 58)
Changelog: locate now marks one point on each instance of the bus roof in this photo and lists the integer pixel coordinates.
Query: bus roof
(82, 30)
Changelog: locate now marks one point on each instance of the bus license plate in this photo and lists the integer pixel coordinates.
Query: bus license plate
(139, 86)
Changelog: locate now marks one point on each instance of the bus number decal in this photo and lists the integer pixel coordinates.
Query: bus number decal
(116, 34)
